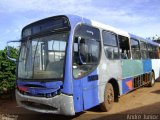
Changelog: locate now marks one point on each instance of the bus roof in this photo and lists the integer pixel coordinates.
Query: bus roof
(75, 18)
(97, 24)
(110, 28)
(144, 40)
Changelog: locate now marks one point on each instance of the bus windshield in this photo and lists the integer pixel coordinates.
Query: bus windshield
(43, 57)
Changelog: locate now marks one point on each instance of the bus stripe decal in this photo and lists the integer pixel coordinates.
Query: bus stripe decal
(129, 84)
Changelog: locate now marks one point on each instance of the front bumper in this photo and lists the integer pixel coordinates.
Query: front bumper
(60, 104)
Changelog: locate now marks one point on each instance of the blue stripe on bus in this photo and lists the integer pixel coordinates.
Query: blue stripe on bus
(90, 91)
(85, 92)
(39, 87)
(127, 85)
(147, 66)
(77, 95)
(68, 83)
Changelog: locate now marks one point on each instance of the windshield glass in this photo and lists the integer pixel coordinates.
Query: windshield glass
(43, 57)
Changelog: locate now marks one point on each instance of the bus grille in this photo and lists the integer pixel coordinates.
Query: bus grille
(38, 105)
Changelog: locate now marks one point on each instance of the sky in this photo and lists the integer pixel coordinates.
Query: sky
(139, 17)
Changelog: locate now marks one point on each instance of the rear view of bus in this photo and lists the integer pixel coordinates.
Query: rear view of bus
(41, 66)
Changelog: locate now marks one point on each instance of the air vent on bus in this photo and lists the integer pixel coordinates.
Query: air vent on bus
(34, 86)
(38, 105)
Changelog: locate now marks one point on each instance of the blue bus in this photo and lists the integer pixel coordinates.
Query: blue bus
(68, 64)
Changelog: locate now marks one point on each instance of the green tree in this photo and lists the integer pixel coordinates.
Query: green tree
(155, 38)
(7, 71)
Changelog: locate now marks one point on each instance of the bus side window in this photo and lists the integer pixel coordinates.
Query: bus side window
(144, 50)
(150, 51)
(135, 48)
(153, 51)
(159, 52)
(110, 45)
(86, 50)
(124, 47)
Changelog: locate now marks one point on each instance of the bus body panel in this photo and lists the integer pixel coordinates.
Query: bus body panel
(77, 95)
(68, 83)
(109, 28)
(156, 67)
(57, 103)
(120, 87)
(86, 92)
(90, 90)
(127, 85)
(131, 68)
(147, 66)
(46, 89)
(108, 70)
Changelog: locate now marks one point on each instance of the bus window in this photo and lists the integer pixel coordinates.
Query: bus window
(150, 51)
(144, 51)
(86, 50)
(153, 51)
(110, 45)
(124, 47)
(158, 52)
(135, 48)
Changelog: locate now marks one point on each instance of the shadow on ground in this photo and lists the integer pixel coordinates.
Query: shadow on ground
(145, 113)
(22, 114)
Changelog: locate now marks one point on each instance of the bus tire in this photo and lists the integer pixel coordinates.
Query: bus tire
(108, 98)
(152, 81)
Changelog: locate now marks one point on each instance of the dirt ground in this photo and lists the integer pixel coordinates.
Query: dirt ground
(143, 103)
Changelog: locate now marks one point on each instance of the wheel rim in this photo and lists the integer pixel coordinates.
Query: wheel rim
(110, 96)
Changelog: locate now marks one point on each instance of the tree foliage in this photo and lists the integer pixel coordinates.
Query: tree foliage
(155, 38)
(7, 71)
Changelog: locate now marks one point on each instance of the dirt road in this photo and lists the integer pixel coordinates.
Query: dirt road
(143, 103)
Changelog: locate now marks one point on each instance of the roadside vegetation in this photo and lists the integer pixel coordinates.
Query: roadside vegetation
(7, 72)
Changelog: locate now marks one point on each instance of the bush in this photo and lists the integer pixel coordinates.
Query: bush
(7, 71)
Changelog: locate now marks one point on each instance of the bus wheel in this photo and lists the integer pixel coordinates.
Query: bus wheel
(108, 98)
(152, 82)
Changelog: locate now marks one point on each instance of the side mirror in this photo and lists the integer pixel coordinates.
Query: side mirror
(79, 51)
(10, 46)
